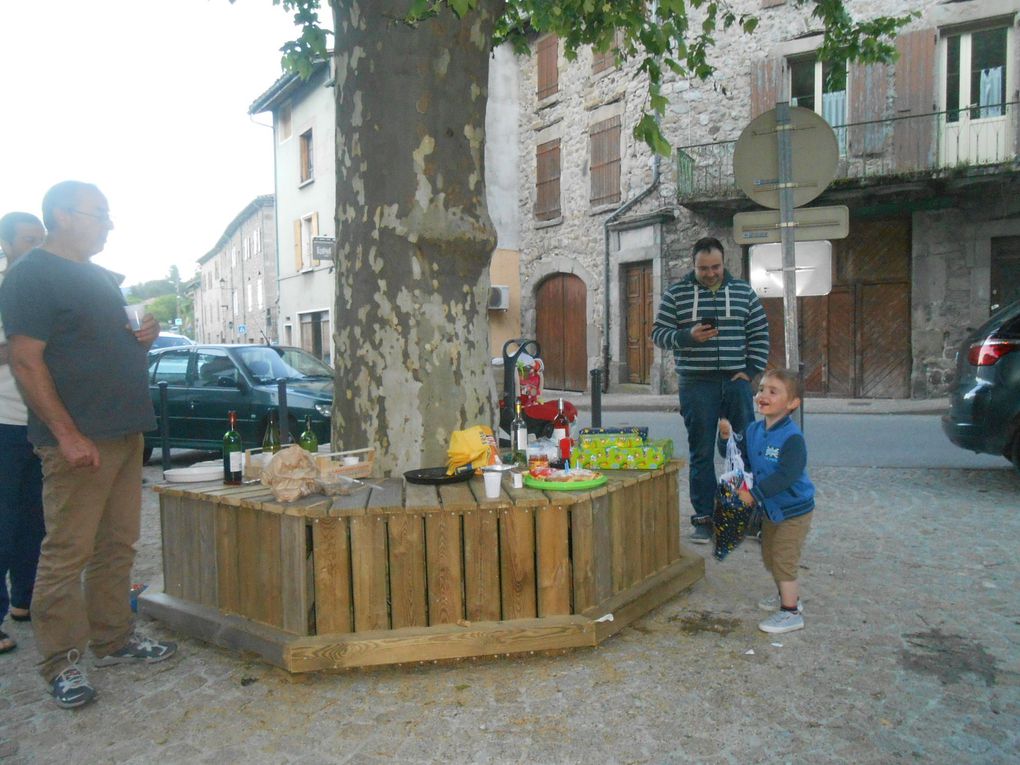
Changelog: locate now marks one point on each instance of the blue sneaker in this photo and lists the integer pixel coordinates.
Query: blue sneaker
(71, 688)
(702, 535)
(138, 649)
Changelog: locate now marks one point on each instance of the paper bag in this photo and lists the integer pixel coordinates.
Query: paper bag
(290, 474)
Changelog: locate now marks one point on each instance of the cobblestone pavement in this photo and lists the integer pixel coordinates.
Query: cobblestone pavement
(911, 654)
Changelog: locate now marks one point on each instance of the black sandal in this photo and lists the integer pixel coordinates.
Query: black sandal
(5, 638)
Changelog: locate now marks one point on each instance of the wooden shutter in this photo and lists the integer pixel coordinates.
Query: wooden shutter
(298, 261)
(913, 134)
(869, 91)
(766, 87)
(605, 162)
(600, 61)
(547, 177)
(548, 66)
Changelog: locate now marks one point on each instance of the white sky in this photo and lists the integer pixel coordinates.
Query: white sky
(148, 99)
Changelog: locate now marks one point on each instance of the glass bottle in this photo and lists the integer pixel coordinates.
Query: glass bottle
(232, 452)
(519, 439)
(308, 440)
(271, 440)
(561, 426)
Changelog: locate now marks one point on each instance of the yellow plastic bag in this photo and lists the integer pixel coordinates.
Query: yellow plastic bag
(475, 446)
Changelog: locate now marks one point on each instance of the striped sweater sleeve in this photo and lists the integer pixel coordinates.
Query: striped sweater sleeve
(666, 332)
(756, 329)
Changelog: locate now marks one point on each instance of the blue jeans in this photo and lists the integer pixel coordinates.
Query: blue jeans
(702, 402)
(21, 517)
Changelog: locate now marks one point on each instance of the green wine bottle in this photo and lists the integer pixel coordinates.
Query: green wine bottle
(232, 449)
(271, 440)
(308, 440)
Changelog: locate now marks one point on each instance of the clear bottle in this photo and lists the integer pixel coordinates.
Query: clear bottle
(308, 440)
(271, 440)
(561, 426)
(232, 452)
(519, 439)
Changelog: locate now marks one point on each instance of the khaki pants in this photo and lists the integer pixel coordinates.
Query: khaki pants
(781, 545)
(93, 520)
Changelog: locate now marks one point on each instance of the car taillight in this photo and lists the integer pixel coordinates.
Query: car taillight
(987, 352)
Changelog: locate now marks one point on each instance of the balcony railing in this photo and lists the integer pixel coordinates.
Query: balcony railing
(976, 139)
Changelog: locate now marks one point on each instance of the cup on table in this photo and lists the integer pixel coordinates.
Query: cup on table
(493, 481)
(135, 313)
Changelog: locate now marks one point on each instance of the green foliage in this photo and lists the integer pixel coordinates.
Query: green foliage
(164, 308)
(138, 293)
(671, 35)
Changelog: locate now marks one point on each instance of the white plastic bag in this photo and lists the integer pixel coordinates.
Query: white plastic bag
(734, 473)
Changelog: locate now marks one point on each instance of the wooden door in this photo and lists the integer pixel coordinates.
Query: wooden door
(561, 329)
(855, 341)
(639, 318)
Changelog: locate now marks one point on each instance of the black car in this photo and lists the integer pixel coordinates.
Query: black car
(204, 382)
(984, 413)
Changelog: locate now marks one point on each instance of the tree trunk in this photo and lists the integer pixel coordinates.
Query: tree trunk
(413, 236)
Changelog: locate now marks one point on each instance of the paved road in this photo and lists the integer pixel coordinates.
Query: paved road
(843, 440)
(911, 654)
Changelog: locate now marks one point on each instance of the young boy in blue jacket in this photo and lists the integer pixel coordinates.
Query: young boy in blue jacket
(776, 453)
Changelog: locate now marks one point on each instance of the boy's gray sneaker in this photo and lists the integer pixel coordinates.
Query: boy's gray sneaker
(138, 649)
(774, 603)
(71, 688)
(701, 535)
(782, 621)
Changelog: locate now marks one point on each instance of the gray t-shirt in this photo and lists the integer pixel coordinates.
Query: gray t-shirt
(98, 366)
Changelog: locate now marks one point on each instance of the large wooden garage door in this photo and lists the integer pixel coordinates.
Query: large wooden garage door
(855, 341)
(561, 326)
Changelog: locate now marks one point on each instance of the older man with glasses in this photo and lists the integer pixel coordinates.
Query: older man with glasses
(83, 372)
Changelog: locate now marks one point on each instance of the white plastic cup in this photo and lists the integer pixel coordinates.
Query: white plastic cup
(350, 461)
(493, 481)
(135, 313)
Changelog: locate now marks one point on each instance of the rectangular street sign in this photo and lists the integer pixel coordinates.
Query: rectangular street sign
(812, 270)
(322, 248)
(809, 224)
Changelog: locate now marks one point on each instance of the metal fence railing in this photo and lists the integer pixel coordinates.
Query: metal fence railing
(938, 143)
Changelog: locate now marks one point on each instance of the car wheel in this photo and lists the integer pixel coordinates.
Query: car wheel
(146, 454)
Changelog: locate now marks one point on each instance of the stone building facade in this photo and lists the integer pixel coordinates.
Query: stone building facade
(928, 148)
(236, 294)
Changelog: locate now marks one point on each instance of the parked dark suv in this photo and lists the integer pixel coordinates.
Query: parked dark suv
(206, 381)
(984, 413)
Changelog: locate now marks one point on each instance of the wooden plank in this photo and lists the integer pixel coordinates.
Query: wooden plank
(582, 544)
(647, 541)
(660, 538)
(602, 547)
(270, 572)
(552, 555)
(332, 558)
(188, 549)
(293, 557)
(387, 495)
(672, 479)
(250, 599)
(209, 578)
(517, 563)
(368, 569)
(437, 643)
(619, 530)
(444, 568)
(459, 497)
(420, 498)
(227, 579)
(481, 565)
(407, 570)
(349, 505)
(170, 521)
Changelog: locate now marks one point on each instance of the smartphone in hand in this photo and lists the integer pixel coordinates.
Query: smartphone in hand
(708, 321)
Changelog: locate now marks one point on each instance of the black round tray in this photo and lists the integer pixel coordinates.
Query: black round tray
(436, 476)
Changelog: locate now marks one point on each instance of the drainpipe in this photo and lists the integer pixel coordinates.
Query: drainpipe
(614, 215)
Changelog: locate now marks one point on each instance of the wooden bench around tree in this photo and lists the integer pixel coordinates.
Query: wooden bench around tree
(409, 573)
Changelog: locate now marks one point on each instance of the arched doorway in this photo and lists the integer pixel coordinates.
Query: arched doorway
(561, 316)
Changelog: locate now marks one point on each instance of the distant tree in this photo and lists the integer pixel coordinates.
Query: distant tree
(411, 329)
(164, 308)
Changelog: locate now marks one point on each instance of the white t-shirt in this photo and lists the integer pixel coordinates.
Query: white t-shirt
(12, 409)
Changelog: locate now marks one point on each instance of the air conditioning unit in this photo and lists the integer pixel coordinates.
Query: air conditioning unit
(499, 297)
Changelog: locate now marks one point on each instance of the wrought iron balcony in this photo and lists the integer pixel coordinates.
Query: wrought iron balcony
(966, 142)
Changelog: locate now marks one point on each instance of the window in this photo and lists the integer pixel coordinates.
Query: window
(315, 334)
(214, 369)
(605, 60)
(284, 122)
(261, 293)
(547, 176)
(976, 74)
(817, 86)
(248, 294)
(233, 257)
(172, 366)
(233, 300)
(258, 241)
(306, 157)
(548, 66)
(304, 229)
(605, 162)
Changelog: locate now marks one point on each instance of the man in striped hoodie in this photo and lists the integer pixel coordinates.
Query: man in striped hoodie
(717, 330)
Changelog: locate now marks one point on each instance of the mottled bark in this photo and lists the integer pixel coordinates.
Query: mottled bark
(413, 236)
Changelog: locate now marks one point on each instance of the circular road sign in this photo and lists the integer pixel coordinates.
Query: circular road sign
(814, 156)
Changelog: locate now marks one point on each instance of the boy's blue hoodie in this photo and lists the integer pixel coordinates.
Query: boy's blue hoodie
(777, 457)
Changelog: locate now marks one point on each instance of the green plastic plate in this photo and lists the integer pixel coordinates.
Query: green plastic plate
(534, 483)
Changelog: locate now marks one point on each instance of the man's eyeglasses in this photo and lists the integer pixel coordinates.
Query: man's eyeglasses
(105, 217)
